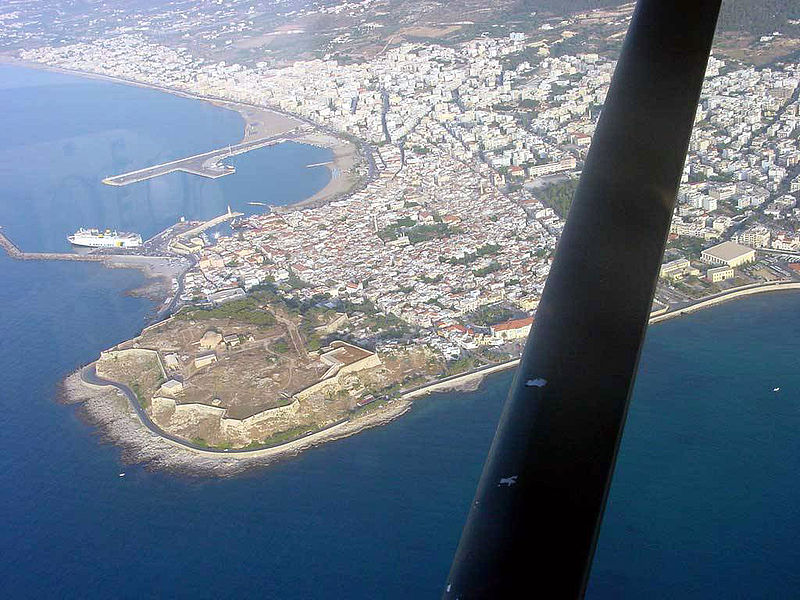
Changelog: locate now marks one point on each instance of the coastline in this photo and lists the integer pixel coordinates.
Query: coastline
(259, 121)
(111, 412)
(342, 181)
(108, 409)
(726, 296)
(159, 274)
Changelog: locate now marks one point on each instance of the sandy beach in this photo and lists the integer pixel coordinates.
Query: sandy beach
(259, 121)
(343, 179)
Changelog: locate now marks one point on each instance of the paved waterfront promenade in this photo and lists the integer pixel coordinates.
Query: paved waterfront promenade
(207, 164)
(745, 290)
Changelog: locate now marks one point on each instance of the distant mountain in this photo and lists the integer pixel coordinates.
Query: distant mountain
(567, 7)
(752, 16)
(758, 16)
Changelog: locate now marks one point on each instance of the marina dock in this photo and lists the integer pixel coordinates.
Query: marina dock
(207, 164)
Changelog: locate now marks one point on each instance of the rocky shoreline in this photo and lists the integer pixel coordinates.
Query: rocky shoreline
(109, 411)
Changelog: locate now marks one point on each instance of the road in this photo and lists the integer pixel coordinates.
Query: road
(89, 375)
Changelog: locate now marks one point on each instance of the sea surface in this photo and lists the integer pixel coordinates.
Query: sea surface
(61, 135)
(704, 502)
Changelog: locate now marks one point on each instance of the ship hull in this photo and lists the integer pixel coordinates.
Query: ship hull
(103, 244)
(94, 239)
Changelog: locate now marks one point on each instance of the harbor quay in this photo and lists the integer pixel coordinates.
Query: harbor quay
(160, 245)
(13, 251)
(207, 164)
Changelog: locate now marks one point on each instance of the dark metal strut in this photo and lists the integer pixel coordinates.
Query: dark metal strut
(533, 525)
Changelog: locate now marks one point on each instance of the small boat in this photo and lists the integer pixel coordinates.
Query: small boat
(122, 474)
(777, 389)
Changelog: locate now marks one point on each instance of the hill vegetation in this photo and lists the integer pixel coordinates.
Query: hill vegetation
(761, 17)
(558, 196)
(748, 16)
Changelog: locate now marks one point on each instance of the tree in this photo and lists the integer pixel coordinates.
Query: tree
(558, 196)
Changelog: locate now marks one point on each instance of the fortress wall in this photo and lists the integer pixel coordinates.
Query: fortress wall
(320, 386)
(369, 362)
(373, 360)
(142, 352)
(271, 413)
(255, 427)
(187, 420)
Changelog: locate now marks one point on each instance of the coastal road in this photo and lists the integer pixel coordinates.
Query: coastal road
(89, 375)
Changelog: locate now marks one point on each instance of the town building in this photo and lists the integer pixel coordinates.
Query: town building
(566, 164)
(513, 329)
(231, 340)
(755, 237)
(171, 387)
(717, 274)
(223, 296)
(204, 359)
(675, 269)
(728, 253)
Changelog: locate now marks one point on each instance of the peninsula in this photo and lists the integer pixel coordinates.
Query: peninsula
(423, 260)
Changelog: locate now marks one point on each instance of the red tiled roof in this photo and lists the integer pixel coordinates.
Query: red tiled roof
(514, 324)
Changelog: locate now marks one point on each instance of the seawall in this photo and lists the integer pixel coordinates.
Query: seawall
(724, 297)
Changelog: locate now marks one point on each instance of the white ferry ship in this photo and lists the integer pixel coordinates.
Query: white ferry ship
(94, 238)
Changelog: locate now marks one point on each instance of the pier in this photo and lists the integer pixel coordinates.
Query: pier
(14, 252)
(157, 247)
(210, 223)
(207, 164)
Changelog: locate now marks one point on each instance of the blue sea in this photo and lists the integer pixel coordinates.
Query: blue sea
(62, 135)
(703, 504)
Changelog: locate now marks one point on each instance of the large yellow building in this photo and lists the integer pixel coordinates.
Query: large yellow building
(717, 274)
(513, 329)
(728, 253)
